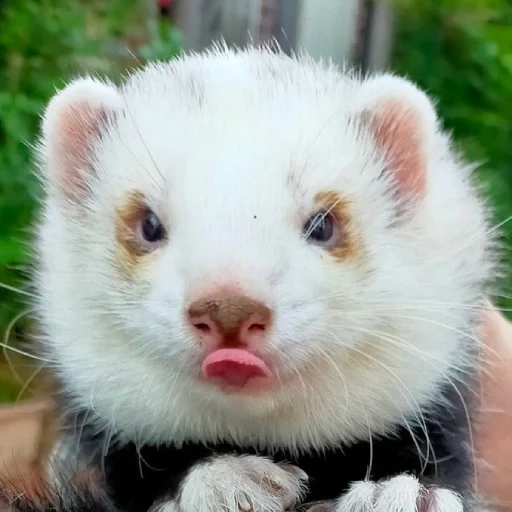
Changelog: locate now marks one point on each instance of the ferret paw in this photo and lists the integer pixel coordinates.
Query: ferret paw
(402, 493)
(241, 484)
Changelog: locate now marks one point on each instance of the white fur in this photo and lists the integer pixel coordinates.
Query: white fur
(239, 484)
(230, 148)
(399, 494)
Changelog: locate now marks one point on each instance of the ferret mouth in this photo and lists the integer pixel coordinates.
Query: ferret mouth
(236, 370)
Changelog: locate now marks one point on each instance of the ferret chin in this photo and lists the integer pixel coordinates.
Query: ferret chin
(259, 280)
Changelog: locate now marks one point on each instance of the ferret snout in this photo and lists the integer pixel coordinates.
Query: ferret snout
(229, 321)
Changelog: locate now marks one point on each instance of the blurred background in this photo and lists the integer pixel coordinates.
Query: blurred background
(460, 51)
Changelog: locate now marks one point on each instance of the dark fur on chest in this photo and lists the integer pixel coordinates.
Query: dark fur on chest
(136, 478)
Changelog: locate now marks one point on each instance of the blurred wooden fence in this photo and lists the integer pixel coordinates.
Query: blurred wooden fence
(359, 31)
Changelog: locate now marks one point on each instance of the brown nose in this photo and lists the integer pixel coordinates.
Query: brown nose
(229, 320)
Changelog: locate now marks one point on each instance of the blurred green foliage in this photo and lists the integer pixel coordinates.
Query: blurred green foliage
(460, 51)
(42, 44)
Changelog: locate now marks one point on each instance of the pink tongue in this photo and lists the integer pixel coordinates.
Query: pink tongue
(234, 366)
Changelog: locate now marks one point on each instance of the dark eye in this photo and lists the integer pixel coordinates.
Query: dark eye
(152, 229)
(320, 228)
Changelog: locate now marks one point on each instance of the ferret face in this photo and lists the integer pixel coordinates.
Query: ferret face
(246, 247)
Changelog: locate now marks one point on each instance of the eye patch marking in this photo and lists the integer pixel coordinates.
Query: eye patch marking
(139, 232)
(344, 242)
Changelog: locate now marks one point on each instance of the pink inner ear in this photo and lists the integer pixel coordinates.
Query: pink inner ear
(397, 130)
(80, 127)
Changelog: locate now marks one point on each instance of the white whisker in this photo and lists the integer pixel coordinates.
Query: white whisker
(6, 347)
(402, 387)
(15, 290)
(29, 381)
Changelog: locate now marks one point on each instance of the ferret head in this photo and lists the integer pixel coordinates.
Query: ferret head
(255, 248)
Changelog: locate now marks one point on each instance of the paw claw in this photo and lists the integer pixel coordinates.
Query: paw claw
(244, 504)
(276, 483)
(296, 471)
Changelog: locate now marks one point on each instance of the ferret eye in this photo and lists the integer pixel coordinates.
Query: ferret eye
(152, 229)
(320, 228)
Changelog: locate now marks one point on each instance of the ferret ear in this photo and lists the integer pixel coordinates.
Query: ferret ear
(74, 121)
(403, 123)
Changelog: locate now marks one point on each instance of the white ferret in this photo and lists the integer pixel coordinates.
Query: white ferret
(259, 282)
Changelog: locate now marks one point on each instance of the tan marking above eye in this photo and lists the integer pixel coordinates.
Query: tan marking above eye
(339, 207)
